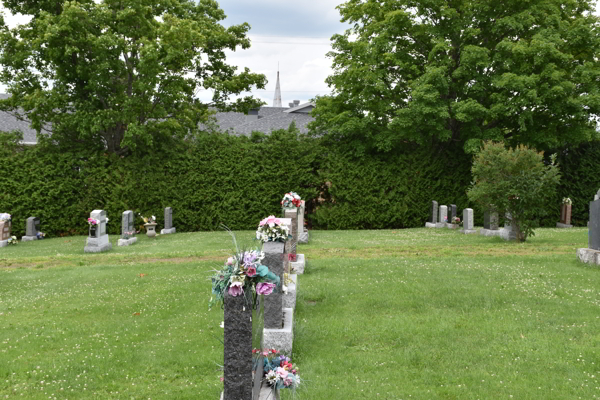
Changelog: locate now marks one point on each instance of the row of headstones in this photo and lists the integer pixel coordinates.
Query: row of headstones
(98, 240)
(242, 374)
(443, 216)
(32, 225)
(591, 254)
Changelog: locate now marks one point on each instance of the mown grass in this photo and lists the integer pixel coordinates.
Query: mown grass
(406, 314)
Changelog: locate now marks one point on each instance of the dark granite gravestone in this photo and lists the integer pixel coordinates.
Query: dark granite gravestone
(594, 227)
(434, 212)
(451, 212)
(237, 360)
(490, 220)
(257, 338)
(274, 259)
(565, 214)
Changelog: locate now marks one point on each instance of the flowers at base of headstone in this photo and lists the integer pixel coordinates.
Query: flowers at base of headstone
(279, 372)
(291, 200)
(5, 217)
(92, 221)
(567, 201)
(456, 220)
(271, 229)
(127, 235)
(242, 272)
(40, 235)
(12, 240)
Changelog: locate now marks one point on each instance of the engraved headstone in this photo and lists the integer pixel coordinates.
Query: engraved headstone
(168, 222)
(127, 229)
(274, 259)
(434, 212)
(302, 232)
(32, 225)
(97, 240)
(293, 214)
(468, 221)
(5, 230)
(490, 220)
(442, 217)
(451, 212)
(565, 216)
(509, 231)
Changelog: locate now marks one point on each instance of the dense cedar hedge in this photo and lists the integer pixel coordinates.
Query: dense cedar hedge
(220, 179)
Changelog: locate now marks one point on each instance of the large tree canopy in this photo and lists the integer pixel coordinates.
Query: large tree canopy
(525, 72)
(121, 74)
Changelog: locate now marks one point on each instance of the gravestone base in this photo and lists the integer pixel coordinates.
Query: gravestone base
(508, 234)
(289, 298)
(28, 238)
(468, 231)
(266, 393)
(303, 237)
(489, 232)
(430, 225)
(440, 225)
(589, 256)
(298, 265)
(281, 339)
(167, 231)
(566, 226)
(127, 242)
(3, 243)
(97, 245)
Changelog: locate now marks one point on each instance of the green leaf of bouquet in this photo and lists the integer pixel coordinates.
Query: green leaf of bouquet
(262, 270)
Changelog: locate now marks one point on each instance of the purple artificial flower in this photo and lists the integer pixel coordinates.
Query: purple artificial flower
(249, 258)
(235, 289)
(265, 288)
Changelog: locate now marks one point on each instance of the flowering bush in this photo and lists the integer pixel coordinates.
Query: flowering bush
(12, 240)
(243, 272)
(271, 229)
(279, 372)
(567, 201)
(5, 217)
(291, 200)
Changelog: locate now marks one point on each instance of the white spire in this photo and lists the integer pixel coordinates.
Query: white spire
(277, 98)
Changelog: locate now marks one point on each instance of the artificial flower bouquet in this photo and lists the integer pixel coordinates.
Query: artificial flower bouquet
(279, 372)
(291, 200)
(92, 221)
(151, 220)
(40, 235)
(12, 240)
(5, 217)
(243, 272)
(271, 229)
(567, 201)
(127, 235)
(455, 220)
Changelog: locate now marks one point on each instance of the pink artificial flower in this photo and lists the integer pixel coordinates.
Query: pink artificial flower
(287, 381)
(263, 222)
(251, 271)
(236, 289)
(272, 220)
(229, 261)
(281, 373)
(265, 288)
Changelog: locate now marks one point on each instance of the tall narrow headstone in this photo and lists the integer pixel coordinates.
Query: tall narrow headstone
(293, 214)
(274, 259)
(442, 217)
(594, 228)
(433, 215)
(31, 229)
(468, 221)
(451, 212)
(168, 222)
(237, 362)
(302, 232)
(97, 240)
(127, 229)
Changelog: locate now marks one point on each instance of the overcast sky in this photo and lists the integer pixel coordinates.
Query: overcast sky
(292, 33)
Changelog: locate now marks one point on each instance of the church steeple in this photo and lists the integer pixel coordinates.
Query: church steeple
(277, 97)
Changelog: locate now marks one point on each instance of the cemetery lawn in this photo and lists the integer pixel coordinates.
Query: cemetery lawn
(403, 314)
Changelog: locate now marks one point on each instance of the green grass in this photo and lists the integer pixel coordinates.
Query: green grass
(405, 314)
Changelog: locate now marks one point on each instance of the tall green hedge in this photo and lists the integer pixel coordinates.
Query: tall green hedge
(221, 179)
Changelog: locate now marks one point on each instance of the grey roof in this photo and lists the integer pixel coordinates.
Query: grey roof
(9, 122)
(267, 120)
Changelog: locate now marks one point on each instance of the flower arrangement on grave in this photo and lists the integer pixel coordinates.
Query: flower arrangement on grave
(151, 220)
(456, 221)
(5, 217)
(271, 229)
(241, 273)
(291, 200)
(127, 235)
(567, 201)
(40, 235)
(92, 221)
(279, 372)
(12, 240)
